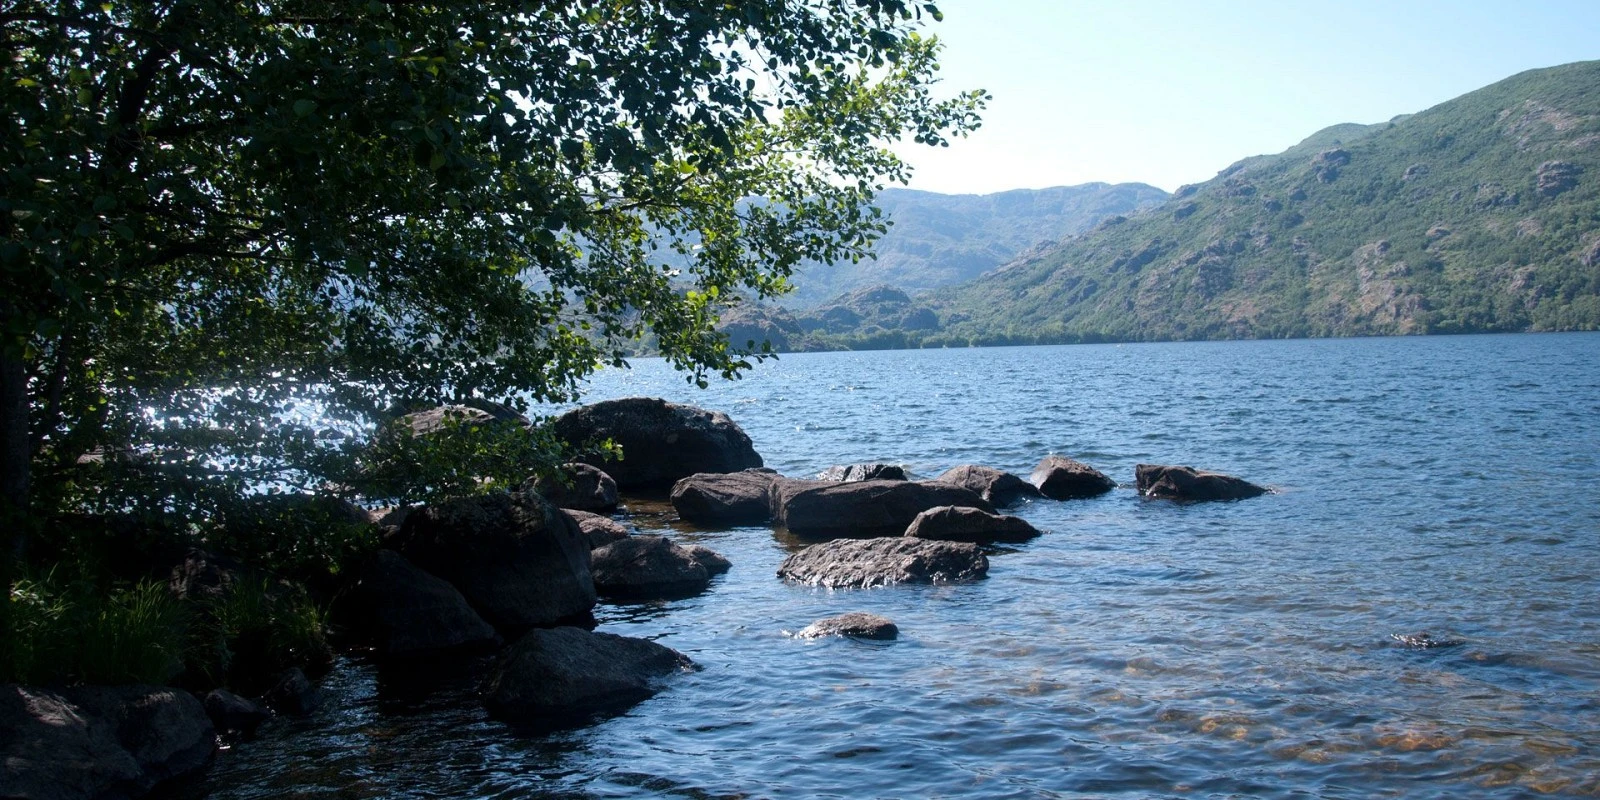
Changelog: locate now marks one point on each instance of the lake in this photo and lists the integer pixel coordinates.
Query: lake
(1138, 648)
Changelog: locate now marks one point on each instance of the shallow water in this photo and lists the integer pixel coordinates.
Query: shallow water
(1141, 649)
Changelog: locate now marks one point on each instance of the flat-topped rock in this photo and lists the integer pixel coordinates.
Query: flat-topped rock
(958, 524)
(1060, 478)
(1187, 484)
(599, 529)
(648, 568)
(822, 509)
(998, 487)
(554, 677)
(661, 442)
(725, 499)
(862, 563)
(858, 624)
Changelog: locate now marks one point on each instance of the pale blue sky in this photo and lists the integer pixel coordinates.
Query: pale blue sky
(1169, 92)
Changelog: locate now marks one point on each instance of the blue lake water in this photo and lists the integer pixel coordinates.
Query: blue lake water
(1138, 648)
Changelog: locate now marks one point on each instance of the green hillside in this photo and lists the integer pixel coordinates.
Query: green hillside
(939, 240)
(1480, 214)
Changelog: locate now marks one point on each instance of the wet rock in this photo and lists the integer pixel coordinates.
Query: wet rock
(518, 560)
(863, 508)
(99, 741)
(647, 568)
(1190, 485)
(406, 611)
(862, 563)
(552, 677)
(1061, 478)
(713, 561)
(292, 695)
(856, 623)
(661, 442)
(600, 530)
(997, 487)
(957, 524)
(580, 487)
(849, 473)
(731, 498)
(1423, 641)
(233, 715)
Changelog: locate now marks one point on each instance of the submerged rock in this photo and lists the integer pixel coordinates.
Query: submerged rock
(856, 623)
(661, 442)
(850, 473)
(1061, 478)
(997, 487)
(1191, 485)
(648, 568)
(580, 487)
(731, 498)
(549, 677)
(1423, 641)
(599, 529)
(518, 560)
(405, 611)
(957, 524)
(861, 563)
(864, 508)
(99, 741)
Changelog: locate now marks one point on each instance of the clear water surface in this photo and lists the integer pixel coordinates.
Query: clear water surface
(1137, 649)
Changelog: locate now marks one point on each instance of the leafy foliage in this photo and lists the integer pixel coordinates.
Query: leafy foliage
(215, 216)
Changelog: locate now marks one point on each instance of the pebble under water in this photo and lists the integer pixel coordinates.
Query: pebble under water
(1443, 485)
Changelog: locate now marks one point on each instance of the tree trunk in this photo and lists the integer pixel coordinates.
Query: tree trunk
(15, 463)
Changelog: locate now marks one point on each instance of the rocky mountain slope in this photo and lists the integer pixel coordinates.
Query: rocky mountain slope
(1480, 214)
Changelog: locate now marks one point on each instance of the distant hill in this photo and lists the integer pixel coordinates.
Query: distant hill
(1480, 214)
(939, 240)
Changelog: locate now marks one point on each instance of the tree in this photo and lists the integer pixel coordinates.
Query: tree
(216, 215)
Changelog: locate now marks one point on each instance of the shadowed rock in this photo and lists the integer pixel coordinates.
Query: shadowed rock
(293, 694)
(1190, 485)
(580, 487)
(861, 563)
(661, 442)
(958, 524)
(856, 623)
(647, 568)
(850, 473)
(99, 741)
(233, 715)
(518, 560)
(863, 508)
(600, 530)
(404, 610)
(553, 677)
(732, 498)
(1061, 478)
(997, 487)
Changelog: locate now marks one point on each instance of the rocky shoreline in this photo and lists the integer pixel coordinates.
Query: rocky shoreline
(517, 574)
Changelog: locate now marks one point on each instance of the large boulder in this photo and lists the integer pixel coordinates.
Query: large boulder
(406, 611)
(599, 529)
(518, 560)
(1188, 484)
(99, 741)
(958, 524)
(661, 442)
(550, 677)
(997, 487)
(647, 568)
(579, 487)
(850, 473)
(862, 508)
(1064, 479)
(858, 624)
(728, 498)
(861, 563)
